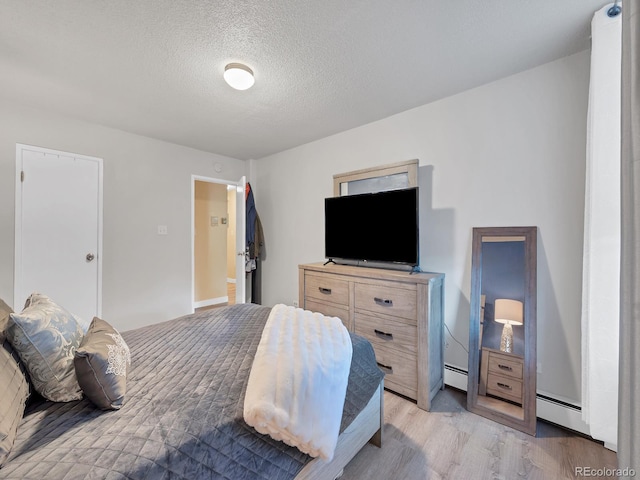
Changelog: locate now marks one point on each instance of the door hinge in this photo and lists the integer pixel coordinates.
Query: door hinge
(22, 176)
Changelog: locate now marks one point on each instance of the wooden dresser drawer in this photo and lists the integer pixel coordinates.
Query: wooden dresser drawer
(504, 387)
(386, 331)
(379, 298)
(505, 365)
(400, 368)
(329, 309)
(328, 288)
(399, 312)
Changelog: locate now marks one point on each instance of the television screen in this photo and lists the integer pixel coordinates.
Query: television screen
(376, 227)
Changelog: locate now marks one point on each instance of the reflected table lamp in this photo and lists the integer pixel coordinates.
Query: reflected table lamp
(508, 312)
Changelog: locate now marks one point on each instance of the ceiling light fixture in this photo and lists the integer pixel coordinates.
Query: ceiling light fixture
(238, 76)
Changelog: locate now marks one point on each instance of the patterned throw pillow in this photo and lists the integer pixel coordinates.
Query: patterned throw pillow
(36, 298)
(46, 337)
(102, 362)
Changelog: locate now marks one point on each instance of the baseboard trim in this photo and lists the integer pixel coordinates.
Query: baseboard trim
(561, 413)
(554, 410)
(211, 301)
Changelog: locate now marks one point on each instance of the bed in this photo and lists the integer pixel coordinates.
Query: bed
(183, 413)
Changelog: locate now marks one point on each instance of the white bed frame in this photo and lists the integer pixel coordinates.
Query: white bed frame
(366, 427)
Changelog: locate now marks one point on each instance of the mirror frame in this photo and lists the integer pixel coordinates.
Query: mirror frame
(498, 410)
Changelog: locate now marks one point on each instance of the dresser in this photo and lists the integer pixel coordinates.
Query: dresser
(400, 313)
(501, 375)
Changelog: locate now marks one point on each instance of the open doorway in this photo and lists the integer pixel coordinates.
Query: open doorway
(215, 232)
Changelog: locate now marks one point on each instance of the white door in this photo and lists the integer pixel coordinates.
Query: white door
(241, 240)
(58, 245)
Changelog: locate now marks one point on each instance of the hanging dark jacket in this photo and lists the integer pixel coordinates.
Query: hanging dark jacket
(255, 236)
(258, 239)
(251, 215)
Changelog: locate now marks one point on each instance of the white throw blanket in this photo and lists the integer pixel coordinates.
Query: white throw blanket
(298, 380)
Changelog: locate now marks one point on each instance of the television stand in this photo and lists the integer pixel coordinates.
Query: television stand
(399, 312)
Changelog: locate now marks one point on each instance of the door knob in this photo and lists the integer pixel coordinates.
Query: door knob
(90, 257)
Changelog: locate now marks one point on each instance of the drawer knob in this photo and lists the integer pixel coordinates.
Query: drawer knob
(385, 368)
(384, 302)
(325, 290)
(504, 385)
(505, 367)
(386, 336)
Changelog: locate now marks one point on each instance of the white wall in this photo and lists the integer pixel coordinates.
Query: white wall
(508, 153)
(147, 182)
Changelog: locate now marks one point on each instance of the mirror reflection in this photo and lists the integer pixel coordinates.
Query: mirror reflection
(501, 320)
(501, 376)
(502, 290)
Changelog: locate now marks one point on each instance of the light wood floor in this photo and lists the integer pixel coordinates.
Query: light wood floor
(451, 443)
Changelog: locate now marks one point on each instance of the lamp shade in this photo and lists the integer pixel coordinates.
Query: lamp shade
(508, 311)
(238, 76)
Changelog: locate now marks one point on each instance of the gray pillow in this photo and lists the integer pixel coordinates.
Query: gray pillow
(46, 337)
(102, 362)
(5, 311)
(14, 392)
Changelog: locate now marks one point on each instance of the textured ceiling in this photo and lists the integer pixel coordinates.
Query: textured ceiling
(154, 67)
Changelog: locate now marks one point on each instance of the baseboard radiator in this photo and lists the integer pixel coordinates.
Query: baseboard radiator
(548, 407)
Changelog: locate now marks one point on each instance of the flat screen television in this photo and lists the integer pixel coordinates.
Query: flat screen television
(373, 227)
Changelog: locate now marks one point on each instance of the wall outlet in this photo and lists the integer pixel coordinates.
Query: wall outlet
(295, 303)
(162, 230)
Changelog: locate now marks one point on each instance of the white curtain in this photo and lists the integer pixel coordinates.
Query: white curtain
(601, 264)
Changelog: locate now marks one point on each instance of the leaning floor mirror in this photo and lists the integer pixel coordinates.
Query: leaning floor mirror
(502, 331)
